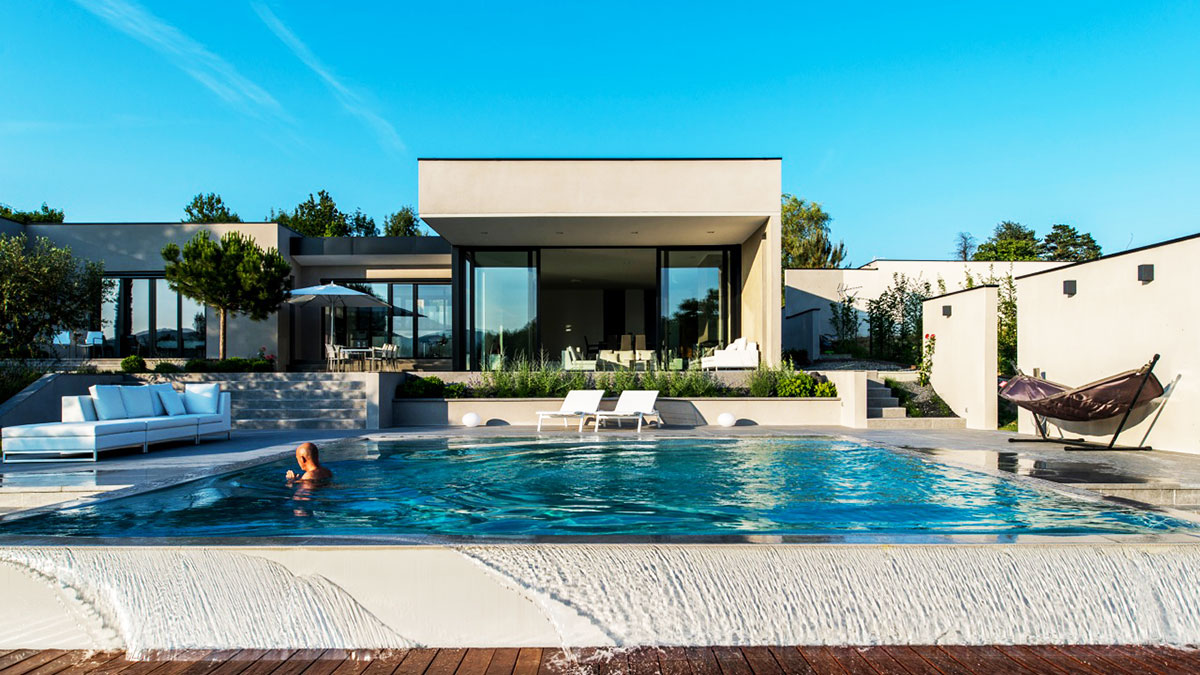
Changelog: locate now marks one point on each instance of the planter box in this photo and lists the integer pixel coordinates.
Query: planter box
(684, 412)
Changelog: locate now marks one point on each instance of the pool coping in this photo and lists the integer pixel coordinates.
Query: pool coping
(1077, 491)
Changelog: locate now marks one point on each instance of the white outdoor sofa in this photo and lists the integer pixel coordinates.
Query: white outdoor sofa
(741, 353)
(116, 416)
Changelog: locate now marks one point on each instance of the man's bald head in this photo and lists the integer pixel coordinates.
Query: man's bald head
(307, 452)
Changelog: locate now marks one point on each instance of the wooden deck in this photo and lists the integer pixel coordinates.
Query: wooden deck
(1107, 660)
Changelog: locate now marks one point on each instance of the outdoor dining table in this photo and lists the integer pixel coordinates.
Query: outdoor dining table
(357, 353)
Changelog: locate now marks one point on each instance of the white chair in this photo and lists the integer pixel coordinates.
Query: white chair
(632, 405)
(581, 403)
(334, 358)
(573, 360)
(741, 353)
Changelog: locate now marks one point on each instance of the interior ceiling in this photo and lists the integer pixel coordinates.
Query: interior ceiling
(614, 230)
(598, 268)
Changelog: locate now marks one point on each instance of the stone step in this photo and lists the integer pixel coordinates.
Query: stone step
(309, 423)
(881, 400)
(886, 413)
(918, 423)
(300, 413)
(295, 386)
(284, 403)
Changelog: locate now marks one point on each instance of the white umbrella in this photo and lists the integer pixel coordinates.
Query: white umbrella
(333, 295)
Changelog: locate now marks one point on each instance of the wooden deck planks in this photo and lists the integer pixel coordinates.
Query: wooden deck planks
(781, 660)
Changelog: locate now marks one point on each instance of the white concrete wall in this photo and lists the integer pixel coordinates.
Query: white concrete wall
(964, 355)
(815, 288)
(1114, 323)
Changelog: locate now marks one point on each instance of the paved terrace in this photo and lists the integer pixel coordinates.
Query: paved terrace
(1021, 660)
(1154, 477)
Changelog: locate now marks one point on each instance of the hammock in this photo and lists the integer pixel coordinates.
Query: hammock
(1099, 400)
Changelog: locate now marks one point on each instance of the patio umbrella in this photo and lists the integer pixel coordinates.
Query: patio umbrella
(333, 295)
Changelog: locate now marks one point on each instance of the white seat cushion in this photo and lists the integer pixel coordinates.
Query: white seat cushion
(170, 399)
(201, 398)
(139, 401)
(110, 405)
(205, 418)
(84, 429)
(179, 421)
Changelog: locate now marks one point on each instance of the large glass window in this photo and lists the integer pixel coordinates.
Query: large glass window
(694, 303)
(433, 321)
(403, 319)
(145, 317)
(504, 312)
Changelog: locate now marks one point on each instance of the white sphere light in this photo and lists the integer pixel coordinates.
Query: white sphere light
(471, 420)
(726, 419)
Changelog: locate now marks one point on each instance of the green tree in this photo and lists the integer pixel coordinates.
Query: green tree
(45, 289)
(234, 276)
(1009, 241)
(1065, 243)
(805, 236)
(362, 225)
(42, 215)
(209, 208)
(403, 223)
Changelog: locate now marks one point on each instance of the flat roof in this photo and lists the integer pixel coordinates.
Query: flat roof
(1113, 255)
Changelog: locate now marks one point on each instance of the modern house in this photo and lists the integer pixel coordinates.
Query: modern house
(660, 259)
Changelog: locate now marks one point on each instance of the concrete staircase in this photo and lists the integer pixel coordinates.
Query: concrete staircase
(885, 412)
(289, 400)
(299, 401)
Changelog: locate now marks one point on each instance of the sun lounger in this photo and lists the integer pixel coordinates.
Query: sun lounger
(632, 405)
(581, 403)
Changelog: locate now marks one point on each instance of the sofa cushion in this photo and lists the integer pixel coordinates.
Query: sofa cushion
(169, 399)
(109, 403)
(201, 398)
(138, 401)
(206, 418)
(64, 429)
(78, 409)
(184, 421)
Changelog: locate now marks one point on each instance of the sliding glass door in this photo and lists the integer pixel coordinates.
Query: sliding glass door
(694, 297)
(500, 288)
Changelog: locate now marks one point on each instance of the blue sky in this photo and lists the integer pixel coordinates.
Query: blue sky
(908, 123)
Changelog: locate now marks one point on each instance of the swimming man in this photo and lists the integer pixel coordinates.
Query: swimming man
(309, 460)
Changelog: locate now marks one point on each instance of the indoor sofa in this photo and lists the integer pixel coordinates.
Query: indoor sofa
(117, 416)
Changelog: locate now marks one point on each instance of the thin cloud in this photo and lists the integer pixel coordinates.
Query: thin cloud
(210, 70)
(348, 98)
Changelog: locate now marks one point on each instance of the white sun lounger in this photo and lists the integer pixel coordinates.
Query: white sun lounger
(632, 405)
(581, 403)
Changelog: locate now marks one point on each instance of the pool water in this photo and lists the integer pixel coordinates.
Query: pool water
(517, 488)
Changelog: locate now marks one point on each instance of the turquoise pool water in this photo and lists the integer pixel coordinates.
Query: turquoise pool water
(522, 487)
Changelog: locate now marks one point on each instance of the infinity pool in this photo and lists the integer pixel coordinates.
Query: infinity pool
(518, 488)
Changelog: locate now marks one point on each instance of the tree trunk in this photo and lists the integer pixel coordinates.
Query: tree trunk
(221, 344)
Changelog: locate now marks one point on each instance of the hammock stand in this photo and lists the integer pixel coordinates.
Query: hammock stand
(1098, 400)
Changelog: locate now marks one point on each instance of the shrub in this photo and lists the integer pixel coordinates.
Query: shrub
(421, 387)
(455, 390)
(262, 365)
(796, 384)
(761, 382)
(196, 366)
(166, 367)
(14, 378)
(133, 364)
(825, 389)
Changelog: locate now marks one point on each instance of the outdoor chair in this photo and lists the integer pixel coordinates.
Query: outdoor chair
(334, 358)
(632, 405)
(741, 353)
(581, 403)
(573, 360)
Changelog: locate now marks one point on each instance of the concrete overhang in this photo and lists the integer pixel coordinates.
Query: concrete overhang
(609, 229)
(391, 251)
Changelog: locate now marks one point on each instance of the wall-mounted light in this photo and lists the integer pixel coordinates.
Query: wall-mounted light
(945, 310)
(1069, 287)
(1145, 273)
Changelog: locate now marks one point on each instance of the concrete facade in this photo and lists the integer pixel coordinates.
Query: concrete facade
(1114, 322)
(728, 203)
(964, 354)
(809, 292)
